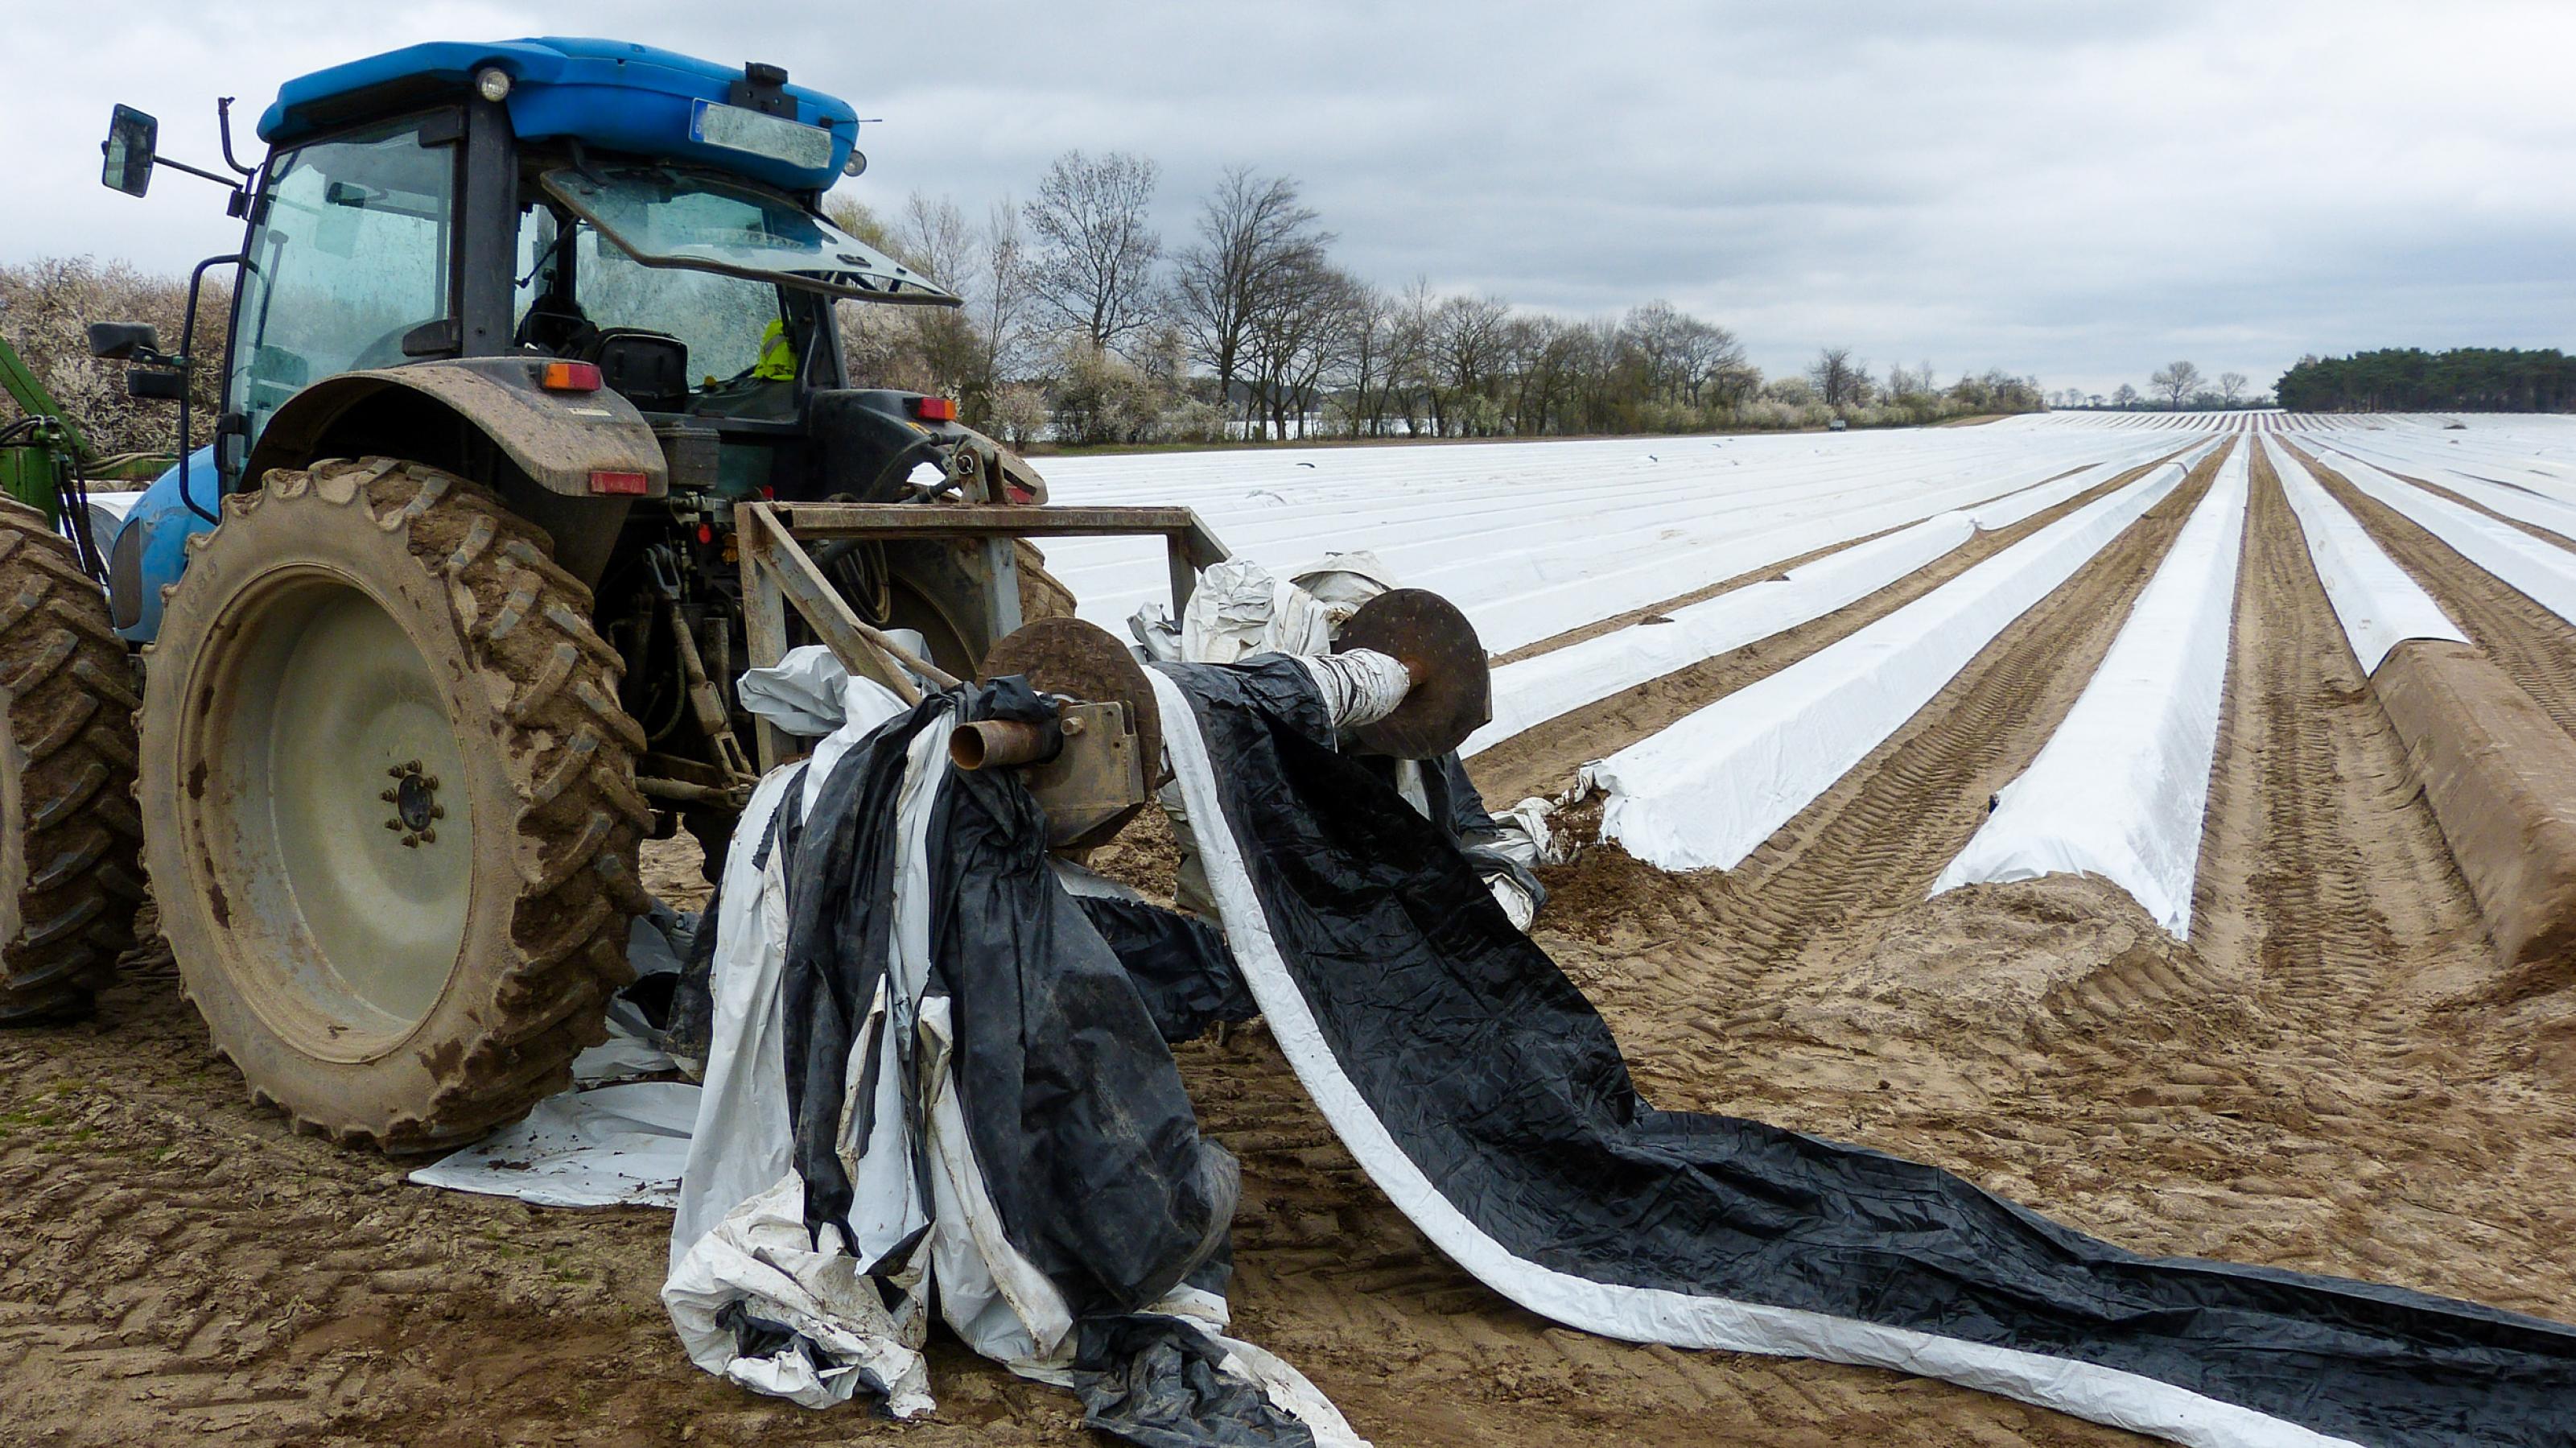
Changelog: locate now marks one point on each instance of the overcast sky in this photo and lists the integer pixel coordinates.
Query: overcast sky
(2078, 191)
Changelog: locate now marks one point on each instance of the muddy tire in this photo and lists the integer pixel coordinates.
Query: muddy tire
(1042, 594)
(392, 818)
(69, 878)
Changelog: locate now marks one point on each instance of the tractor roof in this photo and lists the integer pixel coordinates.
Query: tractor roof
(611, 94)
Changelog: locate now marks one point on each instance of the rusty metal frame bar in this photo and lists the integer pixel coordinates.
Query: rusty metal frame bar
(776, 572)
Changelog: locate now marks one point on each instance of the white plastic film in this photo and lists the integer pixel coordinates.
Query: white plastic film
(2120, 788)
(1707, 790)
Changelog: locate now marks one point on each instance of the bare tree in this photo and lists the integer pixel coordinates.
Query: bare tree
(1258, 247)
(2127, 396)
(1000, 299)
(1839, 381)
(1466, 345)
(2175, 380)
(1093, 263)
(2231, 386)
(1368, 359)
(860, 220)
(932, 237)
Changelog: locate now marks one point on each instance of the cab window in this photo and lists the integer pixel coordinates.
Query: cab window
(350, 255)
(729, 324)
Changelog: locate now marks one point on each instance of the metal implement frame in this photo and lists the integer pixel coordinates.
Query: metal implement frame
(777, 572)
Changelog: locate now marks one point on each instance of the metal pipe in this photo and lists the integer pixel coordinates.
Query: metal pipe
(1003, 744)
(687, 792)
(187, 371)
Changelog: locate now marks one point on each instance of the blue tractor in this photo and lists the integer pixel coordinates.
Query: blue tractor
(441, 609)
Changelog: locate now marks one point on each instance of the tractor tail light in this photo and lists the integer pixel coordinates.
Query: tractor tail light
(1018, 493)
(569, 377)
(934, 409)
(620, 483)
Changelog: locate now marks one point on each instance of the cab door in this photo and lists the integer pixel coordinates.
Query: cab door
(350, 264)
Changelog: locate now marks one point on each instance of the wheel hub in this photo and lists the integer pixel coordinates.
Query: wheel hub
(322, 813)
(416, 807)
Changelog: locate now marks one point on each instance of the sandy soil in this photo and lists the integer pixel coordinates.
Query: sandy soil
(2315, 1081)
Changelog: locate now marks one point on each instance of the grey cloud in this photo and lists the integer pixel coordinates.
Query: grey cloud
(2076, 191)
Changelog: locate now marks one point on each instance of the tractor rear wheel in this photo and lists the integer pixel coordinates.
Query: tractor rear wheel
(69, 880)
(389, 802)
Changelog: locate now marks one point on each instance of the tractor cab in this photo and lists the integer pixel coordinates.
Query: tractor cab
(651, 214)
(588, 236)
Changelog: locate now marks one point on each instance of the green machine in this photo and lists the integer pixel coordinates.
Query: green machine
(47, 461)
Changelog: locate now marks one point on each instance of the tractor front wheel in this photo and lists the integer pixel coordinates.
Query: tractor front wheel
(389, 802)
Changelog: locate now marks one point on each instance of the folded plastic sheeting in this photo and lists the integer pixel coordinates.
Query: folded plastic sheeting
(2120, 788)
(933, 1085)
(1708, 789)
(1485, 1097)
(602, 1142)
(607, 1146)
(2379, 606)
(2543, 572)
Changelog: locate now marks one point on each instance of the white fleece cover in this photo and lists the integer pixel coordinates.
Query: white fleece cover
(2543, 572)
(2532, 498)
(1531, 539)
(1706, 790)
(1535, 690)
(2379, 606)
(2120, 788)
(1560, 681)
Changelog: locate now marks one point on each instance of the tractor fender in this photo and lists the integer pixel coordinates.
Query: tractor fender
(428, 412)
(150, 546)
(566, 442)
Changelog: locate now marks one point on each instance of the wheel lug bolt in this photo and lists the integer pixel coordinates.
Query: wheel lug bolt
(391, 796)
(438, 811)
(429, 781)
(394, 772)
(410, 844)
(429, 836)
(393, 824)
(411, 766)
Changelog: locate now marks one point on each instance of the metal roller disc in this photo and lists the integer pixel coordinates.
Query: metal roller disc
(1082, 661)
(1439, 648)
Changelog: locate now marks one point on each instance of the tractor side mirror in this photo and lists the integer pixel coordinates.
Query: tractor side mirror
(151, 384)
(119, 341)
(133, 143)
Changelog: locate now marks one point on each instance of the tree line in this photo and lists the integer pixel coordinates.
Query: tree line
(1084, 326)
(2410, 379)
(2175, 387)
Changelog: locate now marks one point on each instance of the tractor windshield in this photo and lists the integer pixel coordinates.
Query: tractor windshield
(664, 217)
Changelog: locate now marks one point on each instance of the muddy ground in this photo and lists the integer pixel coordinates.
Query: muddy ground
(2322, 1079)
